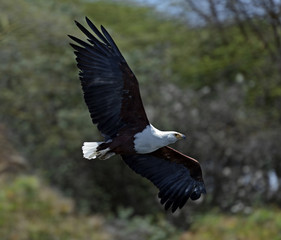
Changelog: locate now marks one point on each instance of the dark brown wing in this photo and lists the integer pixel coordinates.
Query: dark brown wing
(177, 176)
(110, 88)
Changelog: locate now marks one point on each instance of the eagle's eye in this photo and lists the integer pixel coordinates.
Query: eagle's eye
(178, 136)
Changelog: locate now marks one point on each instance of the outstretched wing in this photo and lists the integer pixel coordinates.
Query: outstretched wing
(177, 176)
(110, 88)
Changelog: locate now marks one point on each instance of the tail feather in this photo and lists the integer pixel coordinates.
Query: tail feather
(90, 149)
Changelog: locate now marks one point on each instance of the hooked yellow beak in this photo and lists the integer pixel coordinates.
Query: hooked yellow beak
(180, 136)
(183, 136)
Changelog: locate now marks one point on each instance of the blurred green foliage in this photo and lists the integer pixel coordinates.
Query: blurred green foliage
(260, 224)
(29, 210)
(135, 227)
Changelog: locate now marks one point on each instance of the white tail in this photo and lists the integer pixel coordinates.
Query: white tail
(90, 151)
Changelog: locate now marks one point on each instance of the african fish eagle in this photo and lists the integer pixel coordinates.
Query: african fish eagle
(111, 92)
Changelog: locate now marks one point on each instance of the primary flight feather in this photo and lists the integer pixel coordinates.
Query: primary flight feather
(111, 92)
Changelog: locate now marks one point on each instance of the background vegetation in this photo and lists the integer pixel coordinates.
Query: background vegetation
(210, 71)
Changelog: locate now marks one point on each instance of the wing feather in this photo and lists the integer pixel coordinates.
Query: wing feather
(96, 31)
(110, 88)
(177, 176)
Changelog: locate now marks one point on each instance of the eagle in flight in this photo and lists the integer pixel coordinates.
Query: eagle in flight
(111, 92)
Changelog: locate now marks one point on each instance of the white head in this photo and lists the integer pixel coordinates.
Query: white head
(151, 139)
(173, 137)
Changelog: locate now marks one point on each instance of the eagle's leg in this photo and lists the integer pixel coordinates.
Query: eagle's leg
(105, 154)
(104, 150)
(122, 144)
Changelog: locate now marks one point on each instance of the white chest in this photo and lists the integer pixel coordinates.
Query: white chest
(149, 140)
